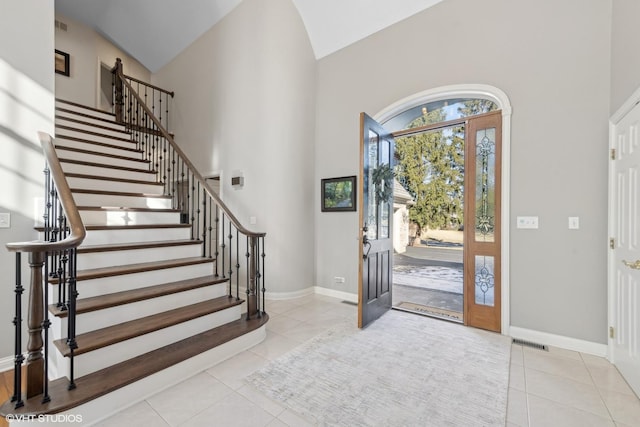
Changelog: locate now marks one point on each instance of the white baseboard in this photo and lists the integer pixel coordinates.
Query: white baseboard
(560, 341)
(345, 296)
(288, 295)
(7, 363)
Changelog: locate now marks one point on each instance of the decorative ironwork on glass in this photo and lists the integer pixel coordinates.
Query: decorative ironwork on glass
(485, 184)
(484, 280)
(371, 191)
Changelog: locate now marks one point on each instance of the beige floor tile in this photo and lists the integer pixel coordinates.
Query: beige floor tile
(140, 414)
(565, 391)
(292, 419)
(556, 351)
(188, 398)
(234, 410)
(624, 408)
(274, 346)
(517, 355)
(304, 331)
(516, 377)
(594, 361)
(266, 403)
(233, 371)
(276, 423)
(282, 324)
(547, 413)
(517, 412)
(556, 364)
(609, 378)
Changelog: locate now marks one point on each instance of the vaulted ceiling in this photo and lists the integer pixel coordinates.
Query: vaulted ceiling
(155, 31)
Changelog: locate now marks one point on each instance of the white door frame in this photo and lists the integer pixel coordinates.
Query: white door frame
(500, 98)
(614, 120)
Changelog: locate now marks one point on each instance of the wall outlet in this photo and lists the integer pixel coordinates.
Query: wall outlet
(5, 220)
(574, 223)
(530, 222)
(338, 279)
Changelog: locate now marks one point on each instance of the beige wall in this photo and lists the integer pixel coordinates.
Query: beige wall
(245, 105)
(553, 64)
(87, 49)
(625, 45)
(26, 107)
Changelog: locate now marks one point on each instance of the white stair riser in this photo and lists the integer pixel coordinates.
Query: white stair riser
(142, 175)
(120, 217)
(87, 322)
(104, 160)
(62, 133)
(108, 285)
(121, 201)
(116, 353)
(111, 129)
(62, 116)
(133, 235)
(83, 110)
(135, 256)
(108, 185)
(115, 151)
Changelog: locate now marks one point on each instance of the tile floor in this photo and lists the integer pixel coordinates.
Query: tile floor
(546, 389)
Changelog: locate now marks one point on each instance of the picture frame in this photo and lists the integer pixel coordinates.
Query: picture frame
(62, 62)
(338, 194)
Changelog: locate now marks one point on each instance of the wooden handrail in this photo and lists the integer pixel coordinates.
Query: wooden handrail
(186, 160)
(78, 231)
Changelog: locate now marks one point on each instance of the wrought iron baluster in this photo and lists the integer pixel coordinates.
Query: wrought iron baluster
(17, 322)
(71, 316)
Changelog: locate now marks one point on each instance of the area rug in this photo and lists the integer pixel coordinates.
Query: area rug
(402, 370)
(430, 311)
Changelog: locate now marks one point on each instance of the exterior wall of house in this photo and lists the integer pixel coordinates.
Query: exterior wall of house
(87, 49)
(553, 63)
(245, 105)
(26, 107)
(625, 44)
(400, 227)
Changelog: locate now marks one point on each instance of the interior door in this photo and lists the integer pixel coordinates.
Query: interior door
(482, 289)
(624, 259)
(375, 207)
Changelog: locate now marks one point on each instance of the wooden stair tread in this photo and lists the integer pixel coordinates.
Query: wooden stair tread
(98, 153)
(125, 209)
(126, 227)
(85, 305)
(65, 137)
(61, 144)
(111, 178)
(102, 165)
(136, 245)
(109, 379)
(117, 193)
(89, 116)
(86, 107)
(88, 132)
(119, 270)
(104, 337)
(83, 122)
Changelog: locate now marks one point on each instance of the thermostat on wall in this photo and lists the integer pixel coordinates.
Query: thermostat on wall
(237, 180)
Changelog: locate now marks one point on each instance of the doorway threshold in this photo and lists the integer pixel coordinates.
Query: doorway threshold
(439, 313)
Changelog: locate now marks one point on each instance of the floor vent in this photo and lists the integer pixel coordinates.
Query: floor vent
(350, 302)
(530, 344)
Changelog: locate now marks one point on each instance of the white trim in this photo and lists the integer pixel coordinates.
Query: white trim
(287, 295)
(560, 341)
(345, 296)
(7, 363)
(626, 107)
(501, 99)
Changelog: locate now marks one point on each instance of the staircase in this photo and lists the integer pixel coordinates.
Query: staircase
(158, 293)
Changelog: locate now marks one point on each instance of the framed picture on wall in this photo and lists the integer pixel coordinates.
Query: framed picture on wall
(338, 194)
(62, 62)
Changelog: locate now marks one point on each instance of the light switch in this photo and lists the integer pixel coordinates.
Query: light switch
(574, 223)
(530, 222)
(5, 220)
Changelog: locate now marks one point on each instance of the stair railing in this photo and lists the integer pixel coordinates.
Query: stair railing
(56, 255)
(224, 238)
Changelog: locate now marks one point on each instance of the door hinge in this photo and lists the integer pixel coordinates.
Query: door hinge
(611, 332)
(613, 154)
(612, 243)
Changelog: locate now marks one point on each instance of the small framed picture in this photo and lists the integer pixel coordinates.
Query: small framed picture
(338, 194)
(62, 62)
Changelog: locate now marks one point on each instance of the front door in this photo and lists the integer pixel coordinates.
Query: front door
(375, 197)
(624, 259)
(482, 222)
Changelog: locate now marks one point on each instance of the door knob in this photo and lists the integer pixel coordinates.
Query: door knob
(635, 264)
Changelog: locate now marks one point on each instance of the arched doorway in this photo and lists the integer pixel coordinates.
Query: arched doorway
(412, 106)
